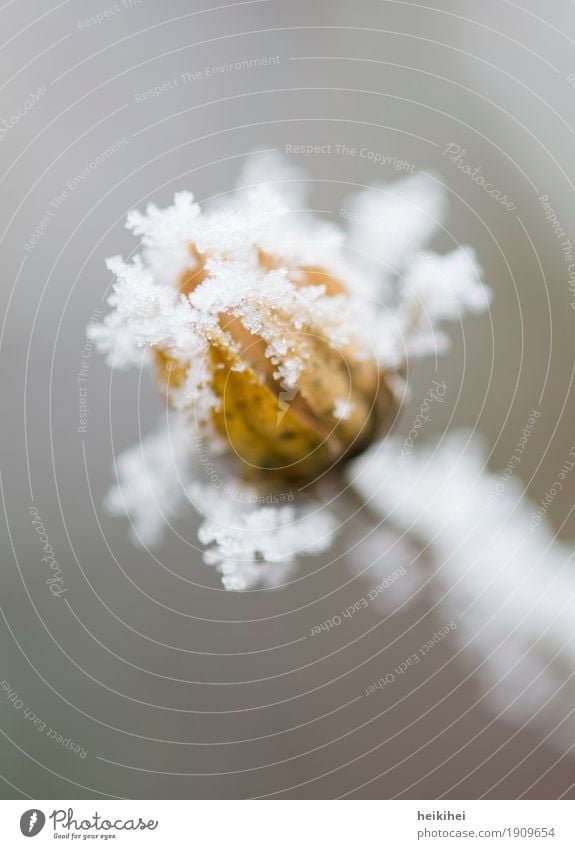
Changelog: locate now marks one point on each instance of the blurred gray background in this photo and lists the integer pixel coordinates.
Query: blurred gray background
(170, 686)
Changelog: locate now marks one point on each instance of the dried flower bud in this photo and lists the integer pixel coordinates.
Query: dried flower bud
(265, 332)
(333, 406)
(280, 340)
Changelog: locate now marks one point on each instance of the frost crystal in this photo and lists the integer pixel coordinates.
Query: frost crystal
(251, 542)
(510, 589)
(342, 409)
(152, 478)
(256, 539)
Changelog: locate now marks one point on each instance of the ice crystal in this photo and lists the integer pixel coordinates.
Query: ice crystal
(152, 479)
(510, 588)
(256, 544)
(342, 409)
(255, 539)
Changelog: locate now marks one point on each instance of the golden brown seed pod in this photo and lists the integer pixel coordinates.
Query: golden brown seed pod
(341, 402)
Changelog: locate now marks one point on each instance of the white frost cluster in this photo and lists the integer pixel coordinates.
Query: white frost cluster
(510, 590)
(397, 295)
(152, 480)
(257, 544)
(398, 291)
(255, 540)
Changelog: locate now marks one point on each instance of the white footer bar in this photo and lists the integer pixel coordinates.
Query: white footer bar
(286, 824)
